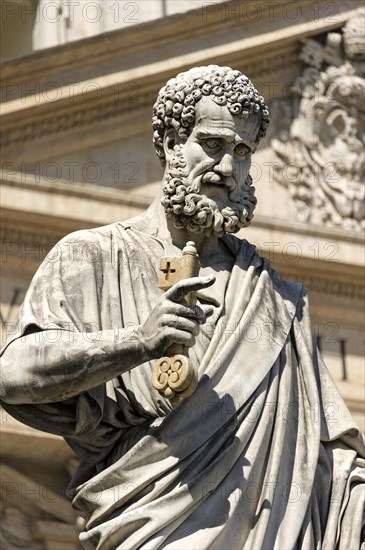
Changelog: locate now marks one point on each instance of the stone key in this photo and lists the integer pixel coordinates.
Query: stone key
(174, 376)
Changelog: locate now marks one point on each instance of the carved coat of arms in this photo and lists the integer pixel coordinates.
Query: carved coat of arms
(320, 137)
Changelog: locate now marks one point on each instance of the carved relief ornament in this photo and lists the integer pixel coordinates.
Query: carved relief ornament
(320, 133)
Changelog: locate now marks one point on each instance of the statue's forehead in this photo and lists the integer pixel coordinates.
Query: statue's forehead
(213, 118)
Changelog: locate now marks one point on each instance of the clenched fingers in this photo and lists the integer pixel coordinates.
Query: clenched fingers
(195, 312)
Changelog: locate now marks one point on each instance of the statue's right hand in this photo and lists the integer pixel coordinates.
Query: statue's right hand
(172, 322)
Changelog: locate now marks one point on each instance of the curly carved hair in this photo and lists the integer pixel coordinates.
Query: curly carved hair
(175, 104)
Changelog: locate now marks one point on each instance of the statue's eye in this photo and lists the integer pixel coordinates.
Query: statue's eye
(212, 143)
(242, 150)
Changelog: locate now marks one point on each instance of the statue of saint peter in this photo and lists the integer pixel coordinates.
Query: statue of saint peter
(252, 459)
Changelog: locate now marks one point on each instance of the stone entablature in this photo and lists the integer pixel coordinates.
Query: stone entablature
(71, 99)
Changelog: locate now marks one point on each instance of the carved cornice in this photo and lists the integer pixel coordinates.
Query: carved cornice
(175, 33)
(313, 230)
(66, 118)
(33, 117)
(26, 238)
(54, 209)
(271, 63)
(338, 289)
(22, 252)
(24, 180)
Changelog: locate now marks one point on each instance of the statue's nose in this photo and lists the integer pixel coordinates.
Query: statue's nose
(225, 166)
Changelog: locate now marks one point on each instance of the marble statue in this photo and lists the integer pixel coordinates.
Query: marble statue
(261, 452)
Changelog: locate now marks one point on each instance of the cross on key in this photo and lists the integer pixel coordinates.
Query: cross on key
(174, 269)
(170, 272)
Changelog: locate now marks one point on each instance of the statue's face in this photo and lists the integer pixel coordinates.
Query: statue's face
(207, 185)
(220, 147)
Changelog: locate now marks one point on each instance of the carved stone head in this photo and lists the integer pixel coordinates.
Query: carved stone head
(176, 101)
(208, 122)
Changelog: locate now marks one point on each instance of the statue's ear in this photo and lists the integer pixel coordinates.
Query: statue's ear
(170, 140)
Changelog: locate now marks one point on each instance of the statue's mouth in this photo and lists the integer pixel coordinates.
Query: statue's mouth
(212, 178)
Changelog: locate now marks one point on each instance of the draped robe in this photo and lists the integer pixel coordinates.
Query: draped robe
(263, 455)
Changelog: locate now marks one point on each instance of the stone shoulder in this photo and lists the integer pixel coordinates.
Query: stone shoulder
(85, 236)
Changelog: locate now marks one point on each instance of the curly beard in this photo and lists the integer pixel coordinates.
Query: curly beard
(187, 208)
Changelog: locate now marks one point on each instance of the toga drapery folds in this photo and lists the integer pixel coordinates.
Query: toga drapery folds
(263, 455)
